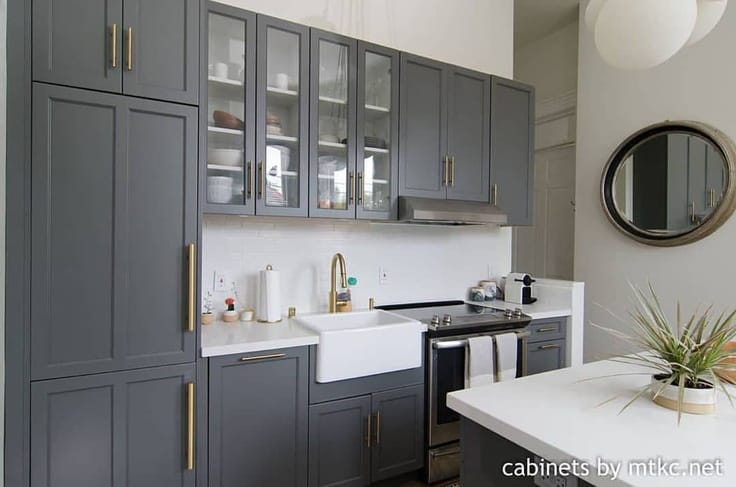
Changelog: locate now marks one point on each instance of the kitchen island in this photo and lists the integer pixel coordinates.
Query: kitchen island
(564, 418)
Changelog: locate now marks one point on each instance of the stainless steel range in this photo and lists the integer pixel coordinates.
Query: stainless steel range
(450, 325)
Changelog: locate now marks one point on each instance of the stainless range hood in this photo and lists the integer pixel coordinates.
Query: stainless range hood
(449, 212)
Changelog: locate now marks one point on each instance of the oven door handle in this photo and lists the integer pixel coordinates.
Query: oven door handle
(462, 342)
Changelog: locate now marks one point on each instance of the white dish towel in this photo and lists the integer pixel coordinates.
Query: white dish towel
(506, 344)
(479, 362)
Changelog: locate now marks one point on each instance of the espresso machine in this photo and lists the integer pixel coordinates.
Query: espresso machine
(519, 288)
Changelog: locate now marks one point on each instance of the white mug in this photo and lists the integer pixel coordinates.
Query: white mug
(221, 70)
(282, 81)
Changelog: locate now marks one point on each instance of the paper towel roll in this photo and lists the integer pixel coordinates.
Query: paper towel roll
(269, 302)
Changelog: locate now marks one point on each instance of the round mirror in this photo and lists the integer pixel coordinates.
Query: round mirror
(671, 183)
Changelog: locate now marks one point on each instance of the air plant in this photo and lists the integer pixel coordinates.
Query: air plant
(207, 305)
(691, 354)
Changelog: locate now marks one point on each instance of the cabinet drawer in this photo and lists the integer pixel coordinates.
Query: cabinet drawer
(546, 356)
(543, 330)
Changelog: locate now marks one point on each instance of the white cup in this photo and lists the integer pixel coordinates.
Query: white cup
(282, 81)
(221, 70)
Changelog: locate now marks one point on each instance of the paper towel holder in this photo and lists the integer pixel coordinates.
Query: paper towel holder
(264, 316)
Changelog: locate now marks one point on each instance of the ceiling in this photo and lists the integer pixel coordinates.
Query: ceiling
(534, 19)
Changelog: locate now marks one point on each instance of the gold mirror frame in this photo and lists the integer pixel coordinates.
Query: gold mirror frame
(712, 222)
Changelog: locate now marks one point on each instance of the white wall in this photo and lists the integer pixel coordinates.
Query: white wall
(424, 262)
(550, 63)
(697, 84)
(476, 34)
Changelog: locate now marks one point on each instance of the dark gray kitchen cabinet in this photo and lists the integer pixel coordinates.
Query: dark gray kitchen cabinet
(138, 47)
(512, 149)
(123, 429)
(445, 116)
(258, 419)
(399, 432)
(113, 211)
(356, 441)
(340, 436)
(545, 356)
(161, 55)
(78, 43)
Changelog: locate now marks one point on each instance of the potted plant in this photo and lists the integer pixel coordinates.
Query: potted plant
(691, 359)
(207, 315)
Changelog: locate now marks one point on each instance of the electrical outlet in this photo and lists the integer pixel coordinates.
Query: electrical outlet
(384, 276)
(220, 282)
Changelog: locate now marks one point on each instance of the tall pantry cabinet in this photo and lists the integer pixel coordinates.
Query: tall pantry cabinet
(113, 220)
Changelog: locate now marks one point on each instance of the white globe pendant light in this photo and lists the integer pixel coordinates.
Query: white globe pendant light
(709, 14)
(592, 12)
(640, 34)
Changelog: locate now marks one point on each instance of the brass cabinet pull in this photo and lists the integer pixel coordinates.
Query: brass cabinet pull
(368, 432)
(444, 171)
(452, 171)
(361, 189)
(248, 180)
(378, 428)
(129, 49)
(191, 312)
(351, 188)
(114, 45)
(261, 179)
(262, 357)
(692, 213)
(495, 194)
(711, 198)
(547, 347)
(547, 329)
(190, 426)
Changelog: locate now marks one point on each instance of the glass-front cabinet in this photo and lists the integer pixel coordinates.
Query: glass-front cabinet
(377, 132)
(333, 115)
(230, 110)
(282, 118)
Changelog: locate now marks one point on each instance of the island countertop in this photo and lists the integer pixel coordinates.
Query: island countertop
(561, 417)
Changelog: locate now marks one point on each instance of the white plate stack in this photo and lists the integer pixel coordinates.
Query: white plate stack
(269, 296)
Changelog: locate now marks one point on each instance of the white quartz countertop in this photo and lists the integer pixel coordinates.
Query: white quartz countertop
(538, 311)
(221, 338)
(559, 417)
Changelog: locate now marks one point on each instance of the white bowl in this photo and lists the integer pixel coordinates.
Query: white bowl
(225, 157)
(219, 189)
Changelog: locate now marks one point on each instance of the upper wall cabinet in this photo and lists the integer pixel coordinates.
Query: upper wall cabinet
(138, 47)
(512, 149)
(444, 131)
(111, 225)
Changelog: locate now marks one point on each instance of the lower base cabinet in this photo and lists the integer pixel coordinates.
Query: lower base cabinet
(545, 356)
(258, 405)
(122, 429)
(356, 441)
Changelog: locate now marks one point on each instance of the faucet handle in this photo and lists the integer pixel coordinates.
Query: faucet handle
(371, 303)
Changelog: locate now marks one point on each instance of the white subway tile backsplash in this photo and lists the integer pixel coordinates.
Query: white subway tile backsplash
(425, 262)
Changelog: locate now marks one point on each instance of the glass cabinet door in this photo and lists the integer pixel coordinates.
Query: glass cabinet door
(282, 118)
(230, 111)
(332, 148)
(377, 132)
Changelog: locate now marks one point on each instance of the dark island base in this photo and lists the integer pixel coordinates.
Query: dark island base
(484, 454)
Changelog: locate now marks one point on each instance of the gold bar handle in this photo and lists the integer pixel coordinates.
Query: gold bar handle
(190, 426)
(262, 357)
(192, 274)
(368, 432)
(452, 171)
(129, 49)
(361, 189)
(547, 329)
(692, 213)
(248, 180)
(444, 171)
(261, 179)
(114, 45)
(378, 428)
(495, 194)
(548, 347)
(351, 188)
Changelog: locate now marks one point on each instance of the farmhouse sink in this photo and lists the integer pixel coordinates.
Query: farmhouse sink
(364, 343)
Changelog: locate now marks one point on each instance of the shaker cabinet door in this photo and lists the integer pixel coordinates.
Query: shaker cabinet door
(124, 429)
(468, 135)
(78, 43)
(161, 54)
(545, 356)
(112, 212)
(512, 149)
(423, 125)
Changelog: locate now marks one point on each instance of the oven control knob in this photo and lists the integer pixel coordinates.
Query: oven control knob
(508, 313)
(517, 313)
(435, 320)
(447, 320)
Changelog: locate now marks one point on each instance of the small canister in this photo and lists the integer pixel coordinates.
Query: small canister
(477, 294)
(490, 289)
